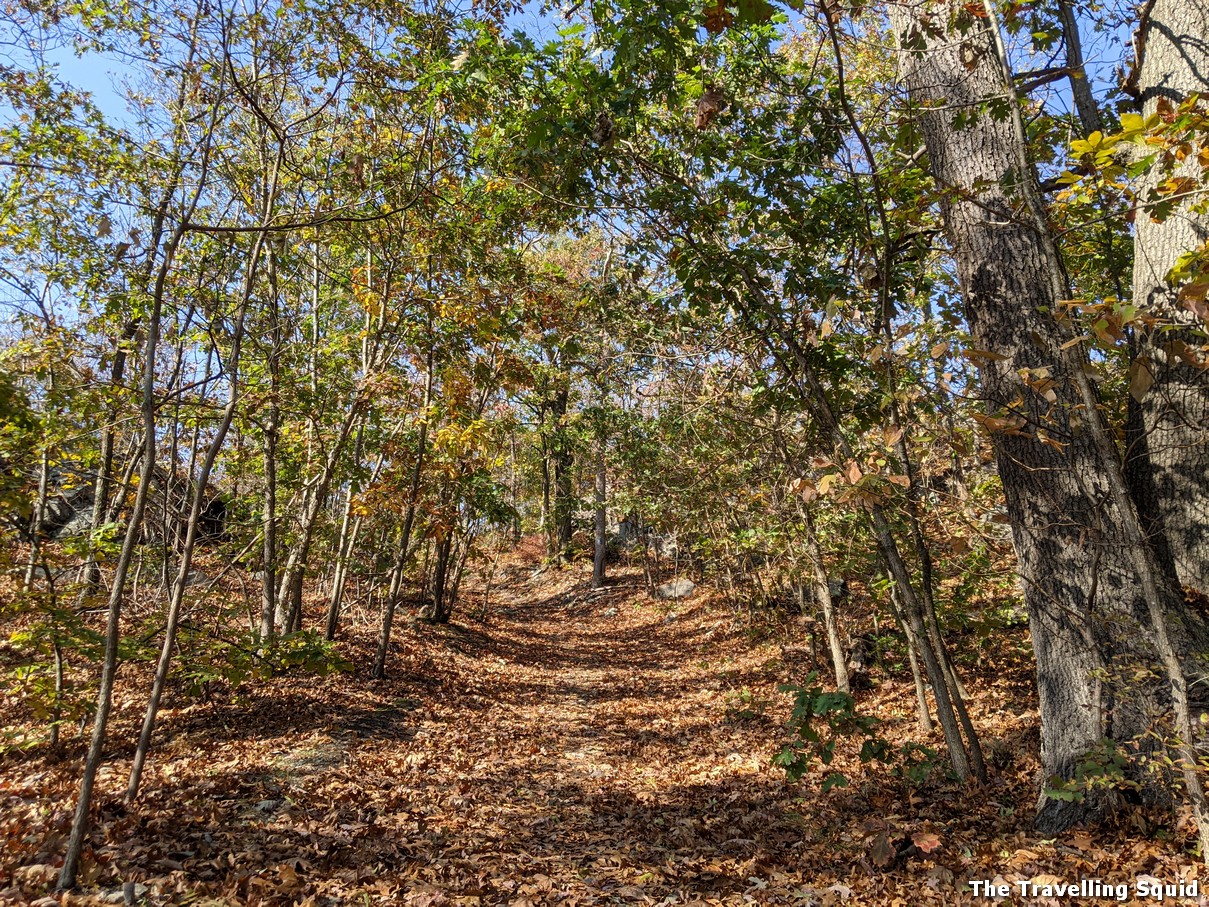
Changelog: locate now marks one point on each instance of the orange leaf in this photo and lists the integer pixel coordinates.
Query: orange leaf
(925, 841)
(852, 472)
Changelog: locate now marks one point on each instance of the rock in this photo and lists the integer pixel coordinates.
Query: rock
(196, 578)
(677, 588)
(609, 612)
(669, 618)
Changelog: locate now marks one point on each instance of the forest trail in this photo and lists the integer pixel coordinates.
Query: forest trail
(563, 746)
(598, 757)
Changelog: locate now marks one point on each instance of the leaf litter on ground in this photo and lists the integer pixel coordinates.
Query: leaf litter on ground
(561, 747)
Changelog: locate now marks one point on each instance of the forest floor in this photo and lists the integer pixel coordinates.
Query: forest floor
(560, 746)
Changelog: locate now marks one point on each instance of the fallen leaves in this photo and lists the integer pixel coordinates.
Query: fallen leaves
(553, 756)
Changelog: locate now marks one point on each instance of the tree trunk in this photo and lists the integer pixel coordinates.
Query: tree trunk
(1168, 463)
(392, 600)
(109, 665)
(181, 580)
(441, 606)
(91, 574)
(544, 518)
(1080, 89)
(601, 539)
(346, 541)
(268, 569)
(822, 594)
(1083, 578)
(562, 464)
(39, 516)
(295, 568)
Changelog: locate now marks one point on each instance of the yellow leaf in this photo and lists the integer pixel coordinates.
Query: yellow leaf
(1132, 121)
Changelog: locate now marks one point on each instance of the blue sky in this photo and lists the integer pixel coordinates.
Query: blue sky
(99, 74)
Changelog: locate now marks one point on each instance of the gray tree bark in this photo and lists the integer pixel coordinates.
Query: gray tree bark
(822, 594)
(1168, 463)
(1080, 89)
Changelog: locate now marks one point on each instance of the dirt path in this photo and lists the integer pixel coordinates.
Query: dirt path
(572, 748)
(599, 759)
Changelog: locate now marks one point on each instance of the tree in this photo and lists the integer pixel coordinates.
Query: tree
(1094, 593)
(1168, 458)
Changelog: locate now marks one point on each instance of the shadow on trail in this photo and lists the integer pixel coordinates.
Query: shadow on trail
(237, 828)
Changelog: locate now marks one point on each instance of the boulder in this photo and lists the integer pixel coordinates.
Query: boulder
(677, 588)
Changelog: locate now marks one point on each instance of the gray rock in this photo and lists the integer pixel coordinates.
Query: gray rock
(677, 588)
(609, 612)
(196, 578)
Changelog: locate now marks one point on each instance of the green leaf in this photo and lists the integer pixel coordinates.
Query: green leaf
(835, 779)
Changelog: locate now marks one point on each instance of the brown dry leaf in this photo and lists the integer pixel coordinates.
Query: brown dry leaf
(474, 774)
(711, 103)
(882, 852)
(1082, 840)
(1022, 857)
(717, 17)
(1140, 379)
(852, 472)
